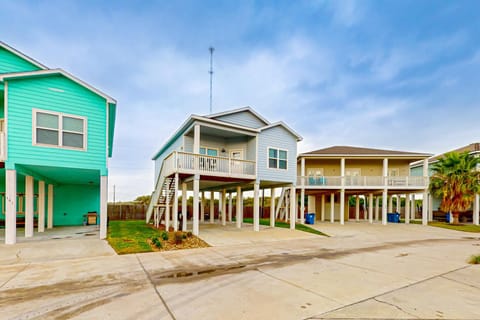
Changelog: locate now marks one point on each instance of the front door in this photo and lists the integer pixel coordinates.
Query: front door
(236, 165)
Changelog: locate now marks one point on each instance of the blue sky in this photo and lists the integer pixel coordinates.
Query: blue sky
(398, 75)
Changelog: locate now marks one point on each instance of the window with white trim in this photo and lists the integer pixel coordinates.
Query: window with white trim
(277, 158)
(209, 151)
(59, 130)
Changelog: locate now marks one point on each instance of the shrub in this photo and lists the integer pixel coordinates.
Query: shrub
(156, 242)
(164, 235)
(474, 259)
(189, 234)
(178, 237)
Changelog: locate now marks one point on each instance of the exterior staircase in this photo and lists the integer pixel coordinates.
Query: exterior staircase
(283, 205)
(162, 197)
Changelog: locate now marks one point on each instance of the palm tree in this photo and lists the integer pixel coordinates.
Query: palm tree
(455, 181)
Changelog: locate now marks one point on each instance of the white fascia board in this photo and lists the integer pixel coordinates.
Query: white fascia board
(224, 124)
(282, 124)
(22, 55)
(343, 155)
(61, 72)
(239, 110)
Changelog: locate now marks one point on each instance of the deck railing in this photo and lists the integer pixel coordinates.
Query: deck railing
(363, 181)
(185, 162)
(2, 146)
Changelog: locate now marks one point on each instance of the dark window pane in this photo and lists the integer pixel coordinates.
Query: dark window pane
(272, 163)
(282, 164)
(73, 124)
(72, 140)
(272, 153)
(45, 136)
(46, 120)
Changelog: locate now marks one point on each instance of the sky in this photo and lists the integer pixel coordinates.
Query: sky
(401, 75)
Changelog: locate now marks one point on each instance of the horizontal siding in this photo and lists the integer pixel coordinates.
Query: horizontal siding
(277, 137)
(175, 146)
(12, 63)
(245, 118)
(35, 93)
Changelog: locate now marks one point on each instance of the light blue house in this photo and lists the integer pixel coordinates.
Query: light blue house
(227, 152)
(56, 135)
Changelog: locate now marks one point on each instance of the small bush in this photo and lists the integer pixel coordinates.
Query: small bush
(157, 243)
(184, 236)
(164, 235)
(189, 234)
(474, 259)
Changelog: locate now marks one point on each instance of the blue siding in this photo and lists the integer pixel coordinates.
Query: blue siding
(277, 137)
(245, 118)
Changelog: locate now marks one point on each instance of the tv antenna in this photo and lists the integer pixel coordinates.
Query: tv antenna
(211, 49)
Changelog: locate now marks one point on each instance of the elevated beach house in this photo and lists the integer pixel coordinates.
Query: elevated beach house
(434, 212)
(56, 135)
(329, 177)
(228, 152)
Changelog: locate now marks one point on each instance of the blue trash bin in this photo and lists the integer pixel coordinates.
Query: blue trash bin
(310, 218)
(447, 217)
(393, 217)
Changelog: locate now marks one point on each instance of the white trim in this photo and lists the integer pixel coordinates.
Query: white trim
(224, 124)
(278, 159)
(107, 133)
(5, 117)
(239, 110)
(14, 75)
(60, 130)
(206, 150)
(22, 55)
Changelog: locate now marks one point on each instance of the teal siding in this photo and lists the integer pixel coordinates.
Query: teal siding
(277, 137)
(66, 97)
(245, 118)
(10, 62)
(69, 208)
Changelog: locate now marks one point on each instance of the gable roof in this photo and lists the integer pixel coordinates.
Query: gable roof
(283, 125)
(360, 151)
(470, 148)
(238, 110)
(39, 73)
(22, 55)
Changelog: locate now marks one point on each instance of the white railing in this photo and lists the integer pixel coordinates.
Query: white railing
(363, 181)
(196, 163)
(2, 146)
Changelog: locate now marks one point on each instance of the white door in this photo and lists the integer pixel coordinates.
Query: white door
(236, 165)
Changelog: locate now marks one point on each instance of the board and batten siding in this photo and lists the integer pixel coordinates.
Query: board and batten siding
(277, 137)
(245, 118)
(57, 94)
(12, 63)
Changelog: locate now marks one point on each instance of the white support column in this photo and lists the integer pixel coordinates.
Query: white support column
(167, 211)
(196, 140)
(28, 206)
(476, 208)
(413, 208)
(390, 204)
(238, 213)
(224, 207)
(50, 206)
(41, 206)
(302, 191)
(342, 206)
(407, 208)
(399, 204)
(332, 207)
(272, 207)
(384, 206)
(11, 206)
(175, 204)
(425, 208)
(196, 191)
(357, 208)
(230, 204)
(370, 208)
(256, 207)
(202, 207)
(322, 208)
(377, 208)
(292, 207)
(103, 204)
(212, 206)
(184, 206)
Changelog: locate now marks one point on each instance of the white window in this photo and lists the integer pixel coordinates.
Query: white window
(209, 151)
(59, 130)
(277, 158)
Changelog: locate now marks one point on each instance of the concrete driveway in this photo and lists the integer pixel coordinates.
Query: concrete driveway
(362, 272)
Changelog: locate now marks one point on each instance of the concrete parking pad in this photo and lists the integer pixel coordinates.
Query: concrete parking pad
(361, 272)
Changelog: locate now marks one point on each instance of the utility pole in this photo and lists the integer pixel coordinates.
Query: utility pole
(211, 49)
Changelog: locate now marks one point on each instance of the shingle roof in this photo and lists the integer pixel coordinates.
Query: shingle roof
(472, 147)
(359, 151)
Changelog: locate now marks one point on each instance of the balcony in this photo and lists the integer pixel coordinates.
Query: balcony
(366, 182)
(191, 163)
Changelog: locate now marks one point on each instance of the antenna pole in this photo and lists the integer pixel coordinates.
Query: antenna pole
(211, 49)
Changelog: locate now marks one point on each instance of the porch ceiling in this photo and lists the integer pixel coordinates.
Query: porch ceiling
(59, 175)
(218, 132)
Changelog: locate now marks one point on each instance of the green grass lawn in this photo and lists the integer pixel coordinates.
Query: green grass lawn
(458, 227)
(280, 224)
(130, 236)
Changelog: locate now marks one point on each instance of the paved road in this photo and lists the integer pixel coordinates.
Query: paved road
(361, 272)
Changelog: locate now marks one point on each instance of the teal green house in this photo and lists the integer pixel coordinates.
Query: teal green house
(56, 136)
